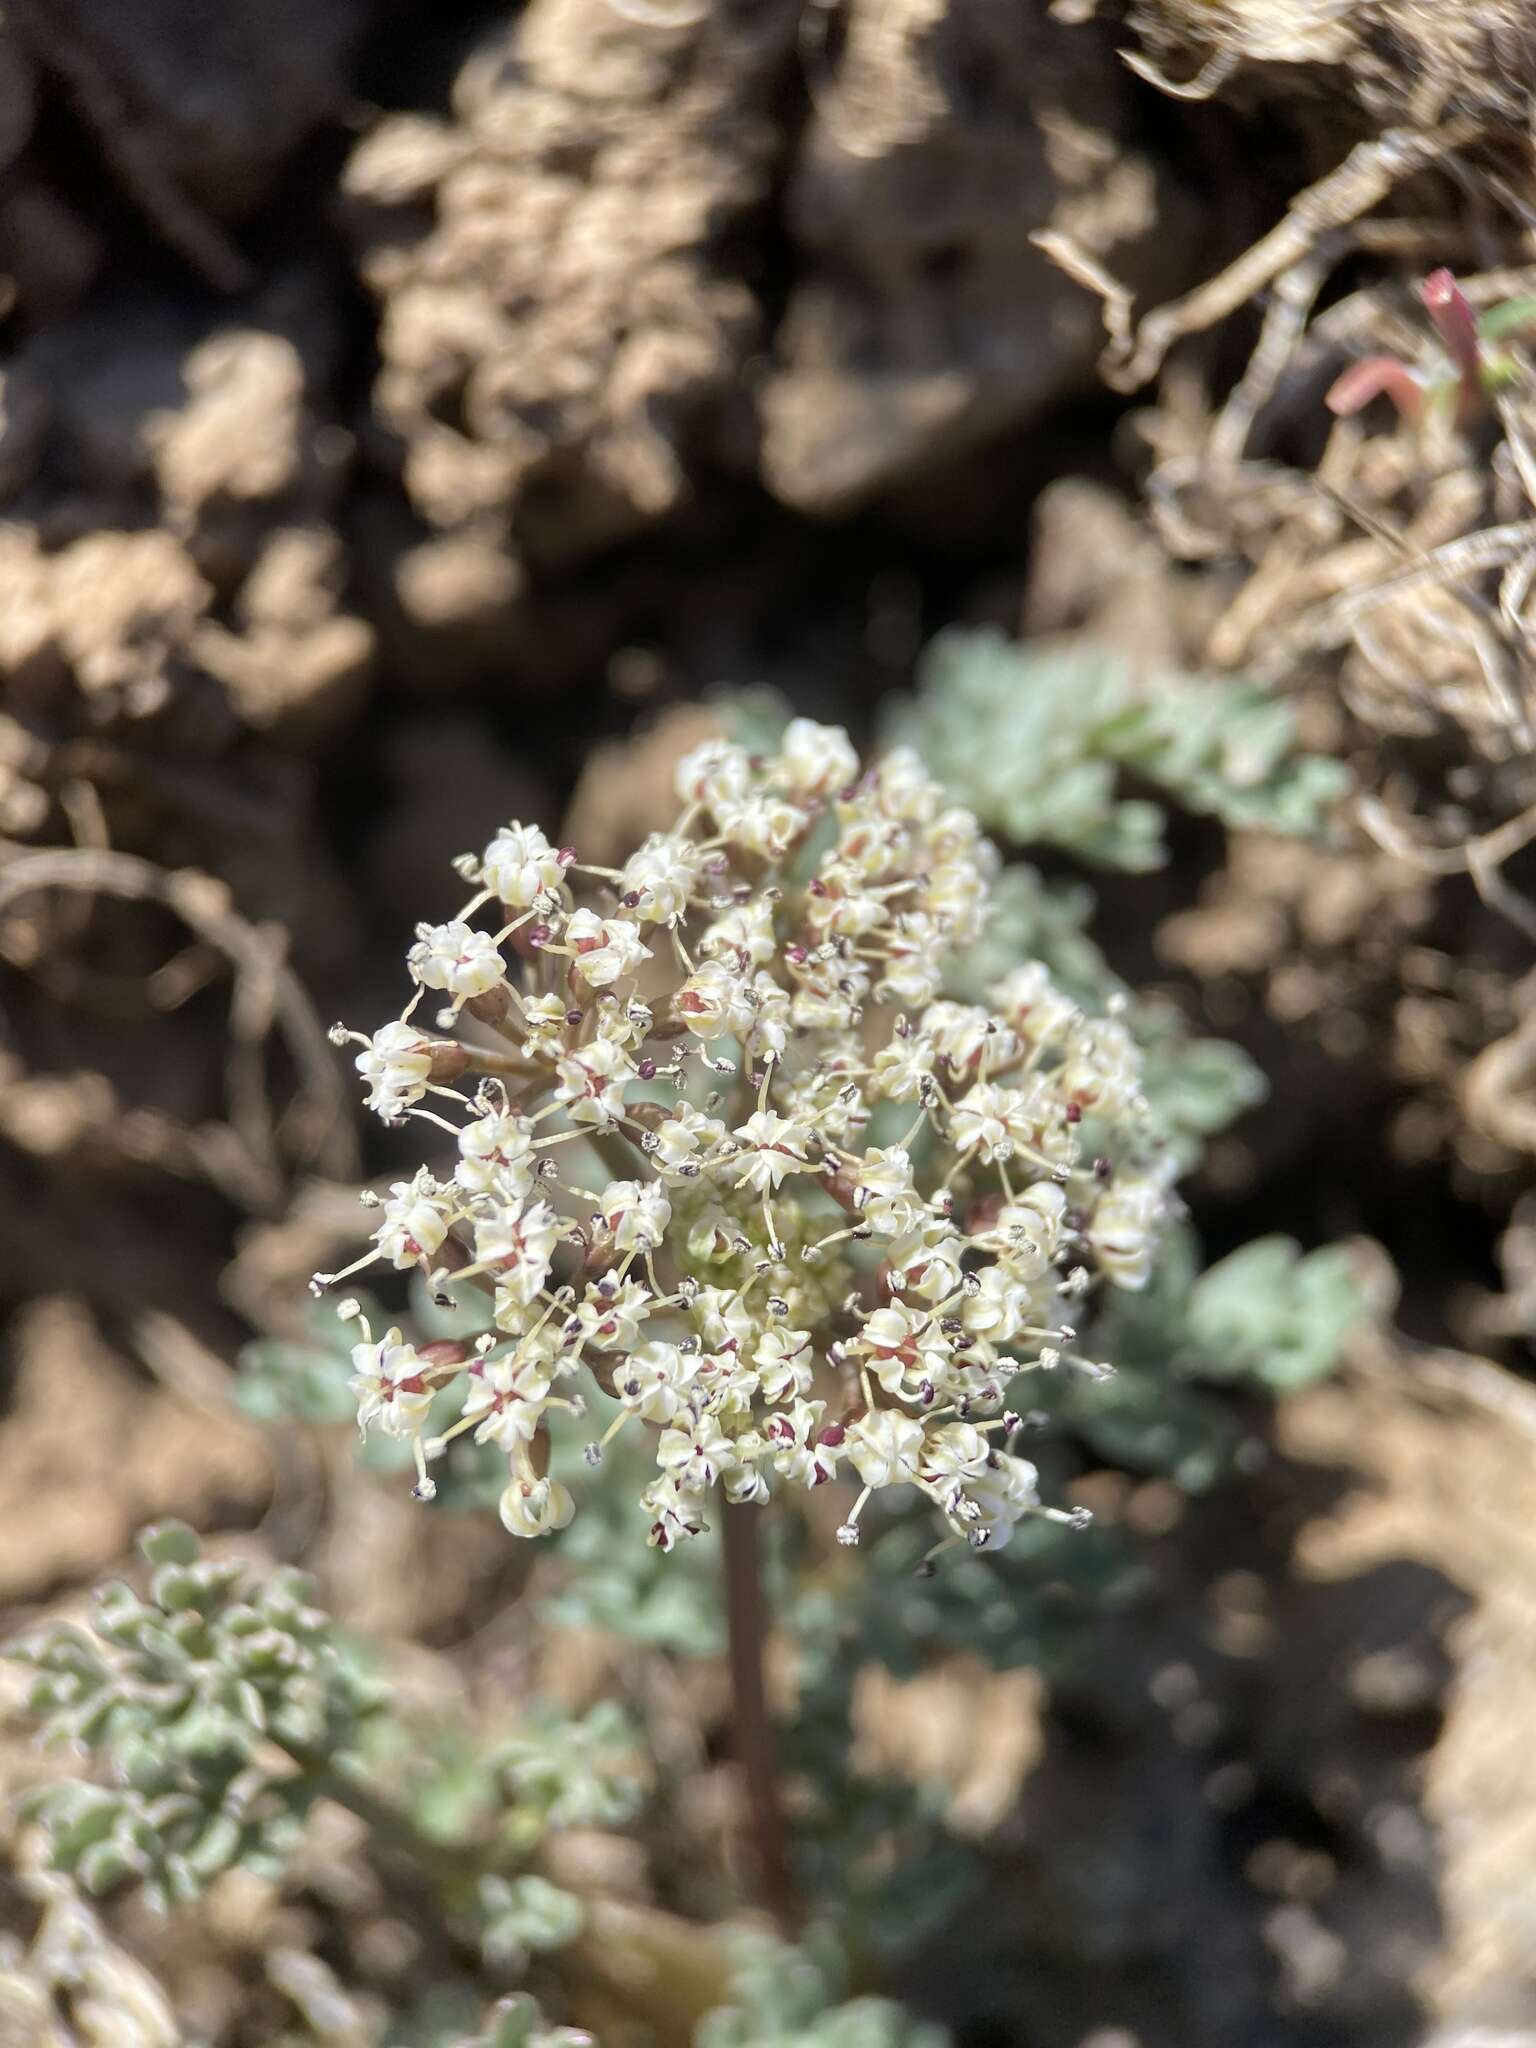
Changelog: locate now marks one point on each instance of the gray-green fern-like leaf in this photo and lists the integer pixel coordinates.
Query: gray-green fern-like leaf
(1271, 1313)
(1035, 742)
(785, 1997)
(518, 2023)
(185, 1697)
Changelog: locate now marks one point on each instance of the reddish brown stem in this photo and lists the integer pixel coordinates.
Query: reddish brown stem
(751, 1728)
(1376, 377)
(1455, 323)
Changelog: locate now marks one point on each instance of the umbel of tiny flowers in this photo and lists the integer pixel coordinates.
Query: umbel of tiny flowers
(708, 1137)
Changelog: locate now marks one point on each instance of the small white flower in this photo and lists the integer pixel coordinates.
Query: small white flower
(913, 974)
(611, 1313)
(654, 1381)
(457, 959)
(723, 1319)
(963, 1034)
(544, 1026)
(725, 1387)
(744, 1486)
(496, 1151)
(768, 1035)
(674, 1515)
(659, 878)
(1033, 1005)
(606, 948)
(518, 1246)
(717, 771)
(713, 1234)
(534, 1507)
(397, 1065)
(957, 1451)
(987, 1509)
(742, 936)
(415, 1223)
(1123, 1230)
(389, 1384)
(953, 900)
(979, 1122)
(902, 788)
(885, 1447)
(783, 1358)
(1102, 1070)
(592, 1080)
(1027, 1234)
(903, 1068)
(796, 1438)
(997, 1308)
(908, 1354)
(694, 1451)
(885, 1193)
(815, 760)
(507, 1395)
(520, 865)
(829, 1102)
(842, 906)
(686, 1139)
(924, 1264)
(816, 1007)
(716, 1001)
(624, 1023)
(771, 1147)
(637, 1214)
(764, 826)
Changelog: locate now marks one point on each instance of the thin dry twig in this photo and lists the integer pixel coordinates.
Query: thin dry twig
(1209, 79)
(1470, 554)
(1481, 858)
(1367, 176)
(267, 996)
(1069, 256)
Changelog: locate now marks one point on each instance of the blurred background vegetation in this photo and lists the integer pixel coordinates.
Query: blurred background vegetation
(418, 416)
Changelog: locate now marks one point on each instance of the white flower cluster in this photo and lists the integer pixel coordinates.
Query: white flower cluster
(723, 1146)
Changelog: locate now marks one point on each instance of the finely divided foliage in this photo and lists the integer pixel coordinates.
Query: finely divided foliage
(222, 1699)
(722, 1153)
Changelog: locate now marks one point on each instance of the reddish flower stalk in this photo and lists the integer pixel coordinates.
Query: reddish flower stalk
(1456, 324)
(1476, 372)
(751, 1723)
(1377, 377)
